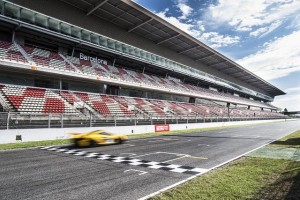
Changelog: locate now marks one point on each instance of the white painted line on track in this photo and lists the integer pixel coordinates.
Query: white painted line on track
(147, 154)
(130, 145)
(154, 141)
(140, 172)
(222, 132)
(207, 145)
(130, 154)
(236, 135)
(175, 159)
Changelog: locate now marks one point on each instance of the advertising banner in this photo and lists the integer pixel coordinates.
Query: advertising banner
(162, 127)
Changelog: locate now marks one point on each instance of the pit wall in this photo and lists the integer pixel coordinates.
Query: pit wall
(27, 135)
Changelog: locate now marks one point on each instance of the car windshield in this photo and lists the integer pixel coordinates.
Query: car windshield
(95, 132)
(105, 133)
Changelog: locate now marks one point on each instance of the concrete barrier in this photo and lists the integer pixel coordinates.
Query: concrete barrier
(11, 136)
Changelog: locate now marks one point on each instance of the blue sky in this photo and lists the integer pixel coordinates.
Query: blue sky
(261, 35)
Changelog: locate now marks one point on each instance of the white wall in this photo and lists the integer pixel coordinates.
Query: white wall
(9, 136)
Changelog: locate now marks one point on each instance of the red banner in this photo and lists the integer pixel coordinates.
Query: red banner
(162, 127)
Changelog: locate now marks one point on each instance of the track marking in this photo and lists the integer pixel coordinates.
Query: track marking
(163, 140)
(174, 159)
(129, 154)
(130, 160)
(222, 132)
(130, 145)
(204, 145)
(140, 172)
(235, 136)
(154, 141)
(170, 153)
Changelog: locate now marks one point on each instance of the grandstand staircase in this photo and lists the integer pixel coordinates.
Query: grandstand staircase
(70, 63)
(4, 102)
(86, 108)
(23, 52)
(136, 109)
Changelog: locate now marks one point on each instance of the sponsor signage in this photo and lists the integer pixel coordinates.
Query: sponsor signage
(162, 127)
(95, 59)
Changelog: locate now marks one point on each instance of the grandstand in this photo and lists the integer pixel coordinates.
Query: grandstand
(112, 62)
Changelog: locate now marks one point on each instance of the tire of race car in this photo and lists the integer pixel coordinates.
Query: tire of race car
(119, 141)
(76, 144)
(92, 143)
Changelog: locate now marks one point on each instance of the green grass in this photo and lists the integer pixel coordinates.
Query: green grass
(286, 186)
(246, 178)
(289, 141)
(241, 179)
(33, 144)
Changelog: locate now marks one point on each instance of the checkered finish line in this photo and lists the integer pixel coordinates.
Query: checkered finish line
(129, 161)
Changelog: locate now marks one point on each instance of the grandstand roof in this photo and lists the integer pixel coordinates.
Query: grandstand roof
(136, 19)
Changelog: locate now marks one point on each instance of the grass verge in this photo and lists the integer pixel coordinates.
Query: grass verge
(289, 141)
(33, 144)
(246, 178)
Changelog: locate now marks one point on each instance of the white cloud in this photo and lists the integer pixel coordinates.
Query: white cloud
(266, 30)
(186, 27)
(217, 40)
(247, 15)
(259, 31)
(291, 102)
(185, 9)
(278, 58)
(294, 89)
(295, 24)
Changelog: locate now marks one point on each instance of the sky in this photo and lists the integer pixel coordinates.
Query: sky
(261, 35)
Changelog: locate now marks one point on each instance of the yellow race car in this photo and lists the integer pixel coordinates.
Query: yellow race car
(98, 137)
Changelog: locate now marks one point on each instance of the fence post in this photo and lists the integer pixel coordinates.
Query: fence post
(62, 121)
(7, 122)
(115, 120)
(90, 119)
(49, 120)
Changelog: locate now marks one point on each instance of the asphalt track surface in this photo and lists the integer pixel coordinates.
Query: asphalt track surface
(50, 174)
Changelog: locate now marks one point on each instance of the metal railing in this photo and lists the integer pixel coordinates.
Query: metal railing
(9, 120)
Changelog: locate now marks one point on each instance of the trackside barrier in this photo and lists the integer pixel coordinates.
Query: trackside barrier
(9, 136)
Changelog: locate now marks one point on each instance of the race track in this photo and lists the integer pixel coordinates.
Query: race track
(129, 171)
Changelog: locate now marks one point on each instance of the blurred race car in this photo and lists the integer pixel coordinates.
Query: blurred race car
(98, 137)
